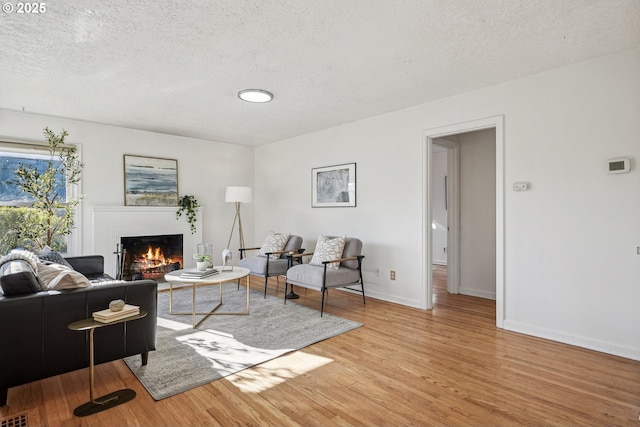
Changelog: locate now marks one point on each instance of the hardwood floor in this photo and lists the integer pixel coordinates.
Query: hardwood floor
(407, 367)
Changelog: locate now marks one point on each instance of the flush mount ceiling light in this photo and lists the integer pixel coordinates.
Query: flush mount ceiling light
(255, 95)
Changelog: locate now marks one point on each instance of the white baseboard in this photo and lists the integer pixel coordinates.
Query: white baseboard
(601, 346)
(439, 261)
(371, 292)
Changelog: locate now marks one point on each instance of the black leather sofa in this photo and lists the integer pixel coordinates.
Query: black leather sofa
(37, 343)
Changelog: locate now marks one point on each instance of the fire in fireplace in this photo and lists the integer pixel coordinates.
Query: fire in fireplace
(151, 257)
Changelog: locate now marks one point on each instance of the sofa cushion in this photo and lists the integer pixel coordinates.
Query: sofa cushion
(327, 249)
(17, 277)
(57, 276)
(49, 254)
(92, 266)
(274, 242)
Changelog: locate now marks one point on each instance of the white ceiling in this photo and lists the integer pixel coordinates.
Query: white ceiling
(176, 66)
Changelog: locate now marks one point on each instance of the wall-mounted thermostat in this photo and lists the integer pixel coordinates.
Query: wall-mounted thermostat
(619, 165)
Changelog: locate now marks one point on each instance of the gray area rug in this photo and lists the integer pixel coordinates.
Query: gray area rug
(225, 344)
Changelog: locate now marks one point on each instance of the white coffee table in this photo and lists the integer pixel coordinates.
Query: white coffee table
(227, 275)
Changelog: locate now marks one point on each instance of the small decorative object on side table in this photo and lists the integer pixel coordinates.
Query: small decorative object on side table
(95, 405)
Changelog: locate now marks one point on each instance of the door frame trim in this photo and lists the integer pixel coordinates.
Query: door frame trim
(429, 135)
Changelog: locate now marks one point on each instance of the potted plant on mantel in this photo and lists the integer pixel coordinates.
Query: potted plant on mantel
(202, 261)
(188, 206)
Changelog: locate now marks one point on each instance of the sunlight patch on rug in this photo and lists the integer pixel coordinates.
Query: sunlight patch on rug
(225, 353)
(171, 324)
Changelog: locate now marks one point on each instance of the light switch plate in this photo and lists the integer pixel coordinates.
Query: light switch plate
(520, 186)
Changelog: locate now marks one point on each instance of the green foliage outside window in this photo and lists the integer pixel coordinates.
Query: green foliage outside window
(51, 215)
(11, 218)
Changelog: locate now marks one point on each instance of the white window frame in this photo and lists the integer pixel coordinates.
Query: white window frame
(74, 239)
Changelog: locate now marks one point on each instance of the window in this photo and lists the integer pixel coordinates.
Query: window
(10, 194)
(15, 204)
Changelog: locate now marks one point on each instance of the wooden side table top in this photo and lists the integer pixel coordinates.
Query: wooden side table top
(91, 323)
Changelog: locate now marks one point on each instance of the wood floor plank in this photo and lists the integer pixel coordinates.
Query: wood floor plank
(449, 366)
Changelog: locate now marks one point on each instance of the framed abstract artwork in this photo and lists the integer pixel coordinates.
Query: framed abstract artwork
(334, 186)
(150, 181)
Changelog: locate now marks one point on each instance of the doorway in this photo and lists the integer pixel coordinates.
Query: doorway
(445, 209)
(459, 266)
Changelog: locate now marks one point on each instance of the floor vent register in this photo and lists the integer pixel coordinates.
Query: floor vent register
(14, 421)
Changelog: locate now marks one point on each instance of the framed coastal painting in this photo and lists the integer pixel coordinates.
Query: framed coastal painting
(150, 181)
(334, 186)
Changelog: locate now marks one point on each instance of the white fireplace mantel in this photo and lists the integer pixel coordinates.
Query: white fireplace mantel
(110, 223)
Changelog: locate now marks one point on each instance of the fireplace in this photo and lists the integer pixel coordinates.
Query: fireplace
(151, 257)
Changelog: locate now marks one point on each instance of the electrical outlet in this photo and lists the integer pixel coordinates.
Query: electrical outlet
(444, 249)
(377, 271)
(393, 275)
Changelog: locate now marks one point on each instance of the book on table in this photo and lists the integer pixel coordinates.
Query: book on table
(106, 315)
(198, 274)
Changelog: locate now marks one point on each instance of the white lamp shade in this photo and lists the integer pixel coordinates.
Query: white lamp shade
(238, 194)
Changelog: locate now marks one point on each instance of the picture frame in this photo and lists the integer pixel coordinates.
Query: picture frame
(150, 181)
(334, 186)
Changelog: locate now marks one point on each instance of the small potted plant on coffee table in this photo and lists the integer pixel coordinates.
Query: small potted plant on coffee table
(202, 261)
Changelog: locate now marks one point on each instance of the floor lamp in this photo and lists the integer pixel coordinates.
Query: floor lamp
(237, 195)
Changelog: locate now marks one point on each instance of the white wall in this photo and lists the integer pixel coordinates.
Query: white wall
(205, 168)
(478, 213)
(571, 269)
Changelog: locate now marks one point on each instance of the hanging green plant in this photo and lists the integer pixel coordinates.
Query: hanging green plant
(188, 205)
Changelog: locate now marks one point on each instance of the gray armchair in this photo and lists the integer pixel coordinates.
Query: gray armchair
(273, 263)
(322, 277)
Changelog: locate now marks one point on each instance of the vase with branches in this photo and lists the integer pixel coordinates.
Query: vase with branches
(51, 214)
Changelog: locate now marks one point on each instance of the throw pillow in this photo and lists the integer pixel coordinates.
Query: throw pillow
(21, 254)
(274, 242)
(327, 249)
(49, 254)
(17, 277)
(57, 276)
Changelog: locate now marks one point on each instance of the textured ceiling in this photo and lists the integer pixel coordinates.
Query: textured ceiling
(176, 66)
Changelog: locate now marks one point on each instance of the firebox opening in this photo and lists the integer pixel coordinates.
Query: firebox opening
(151, 257)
